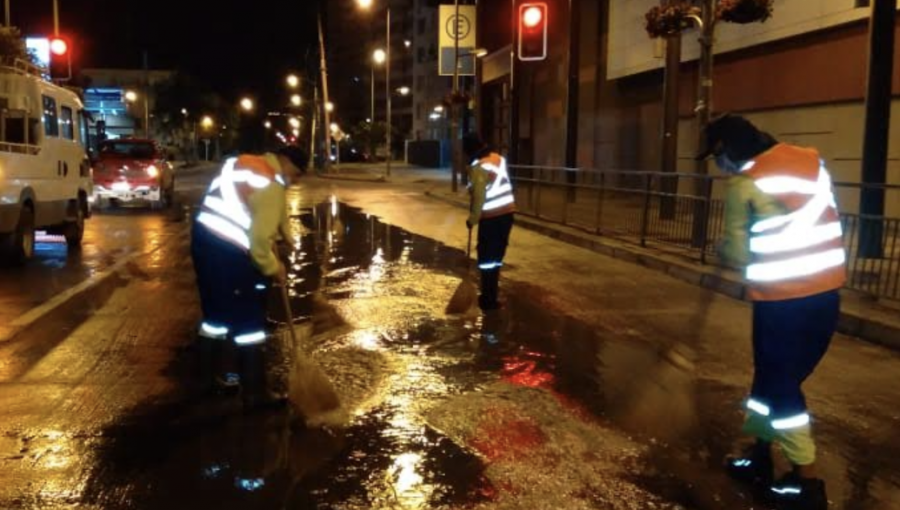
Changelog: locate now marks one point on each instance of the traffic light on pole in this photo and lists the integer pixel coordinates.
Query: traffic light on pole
(532, 31)
(60, 59)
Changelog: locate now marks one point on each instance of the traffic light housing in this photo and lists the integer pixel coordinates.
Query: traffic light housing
(533, 31)
(60, 59)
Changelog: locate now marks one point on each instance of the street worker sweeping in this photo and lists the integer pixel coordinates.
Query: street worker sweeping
(232, 245)
(782, 226)
(492, 207)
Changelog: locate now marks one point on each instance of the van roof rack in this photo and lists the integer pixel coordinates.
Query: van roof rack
(22, 67)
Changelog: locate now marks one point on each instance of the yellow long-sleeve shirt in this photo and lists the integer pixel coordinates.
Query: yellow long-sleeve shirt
(745, 204)
(269, 222)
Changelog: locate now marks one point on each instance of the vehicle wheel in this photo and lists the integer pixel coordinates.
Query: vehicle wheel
(74, 230)
(21, 242)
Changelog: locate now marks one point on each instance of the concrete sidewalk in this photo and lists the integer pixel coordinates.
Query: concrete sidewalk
(862, 316)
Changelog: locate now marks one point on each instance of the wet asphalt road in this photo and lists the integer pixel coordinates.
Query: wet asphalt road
(98, 405)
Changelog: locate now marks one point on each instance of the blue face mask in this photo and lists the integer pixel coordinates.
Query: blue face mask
(726, 164)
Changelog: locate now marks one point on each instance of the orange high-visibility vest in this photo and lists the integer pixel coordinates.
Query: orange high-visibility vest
(800, 252)
(224, 211)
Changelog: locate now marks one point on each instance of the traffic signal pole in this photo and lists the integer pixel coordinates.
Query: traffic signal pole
(512, 151)
(55, 17)
(573, 89)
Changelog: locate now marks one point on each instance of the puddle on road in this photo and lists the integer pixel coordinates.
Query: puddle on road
(420, 435)
(409, 372)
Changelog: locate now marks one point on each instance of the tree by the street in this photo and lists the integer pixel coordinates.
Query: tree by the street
(181, 103)
(12, 46)
(368, 136)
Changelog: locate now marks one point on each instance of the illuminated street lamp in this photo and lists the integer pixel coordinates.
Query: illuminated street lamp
(294, 122)
(207, 122)
(403, 91)
(184, 112)
(131, 96)
(293, 81)
(296, 100)
(329, 107)
(439, 109)
(247, 104)
(267, 124)
(379, 56)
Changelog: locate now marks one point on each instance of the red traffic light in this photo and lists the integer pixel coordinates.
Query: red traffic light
(59, 47)
(532, 16)
(532, 43)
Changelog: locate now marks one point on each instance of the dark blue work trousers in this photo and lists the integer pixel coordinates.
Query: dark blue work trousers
(790, 338)
(232, 290)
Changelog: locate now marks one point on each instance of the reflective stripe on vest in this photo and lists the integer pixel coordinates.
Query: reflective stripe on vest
(225, 211)
(499, 193)
(800, 243)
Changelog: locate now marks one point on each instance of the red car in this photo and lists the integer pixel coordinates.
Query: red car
(133, 170)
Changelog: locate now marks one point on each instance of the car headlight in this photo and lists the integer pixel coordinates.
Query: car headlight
(152, 171)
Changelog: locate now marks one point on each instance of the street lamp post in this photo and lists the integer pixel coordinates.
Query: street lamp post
(365, 4)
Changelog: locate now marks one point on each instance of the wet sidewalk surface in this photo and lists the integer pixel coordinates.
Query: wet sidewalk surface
(518, 409)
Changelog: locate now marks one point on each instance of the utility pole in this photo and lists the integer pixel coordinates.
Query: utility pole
(387, 86)
(704, 112)
(312, 128)
(878, 116)
(147, 96)
(327, 115)
(7, 17)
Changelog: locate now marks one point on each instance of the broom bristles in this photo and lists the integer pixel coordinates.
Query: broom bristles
(463, 298)
(312, 394)
(663, 406)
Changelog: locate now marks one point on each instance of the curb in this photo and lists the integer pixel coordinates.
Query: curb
(726, 282)
(338, 177)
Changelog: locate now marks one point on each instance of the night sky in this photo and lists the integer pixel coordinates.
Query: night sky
(237, 46)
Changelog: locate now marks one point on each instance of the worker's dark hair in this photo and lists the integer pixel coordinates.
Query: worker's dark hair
(474, 147)
(298, 157)
(737, 137)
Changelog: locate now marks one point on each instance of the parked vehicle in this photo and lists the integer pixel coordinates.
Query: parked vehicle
(133, 170)
(45, 174)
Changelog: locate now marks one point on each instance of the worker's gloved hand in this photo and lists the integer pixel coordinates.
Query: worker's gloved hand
(469, 224)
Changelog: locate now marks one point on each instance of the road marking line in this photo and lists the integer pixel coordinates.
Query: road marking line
(31, 316)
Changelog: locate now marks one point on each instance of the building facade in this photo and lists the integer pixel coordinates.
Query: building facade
(801, 76)
(123, 100)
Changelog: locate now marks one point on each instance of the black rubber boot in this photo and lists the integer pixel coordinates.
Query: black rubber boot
(251, 367)
(754, 466)
(490, 290)
(255, 365)
(792, 492)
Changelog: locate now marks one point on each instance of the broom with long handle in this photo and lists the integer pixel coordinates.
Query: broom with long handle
(466, 293)
(312, 395)
(663, 405)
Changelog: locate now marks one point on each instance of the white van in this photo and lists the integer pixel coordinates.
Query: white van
(45, 174)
